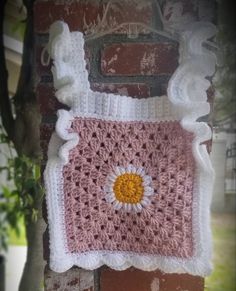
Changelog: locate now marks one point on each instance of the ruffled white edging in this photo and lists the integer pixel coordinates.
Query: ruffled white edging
(180, 94)
(71, 81)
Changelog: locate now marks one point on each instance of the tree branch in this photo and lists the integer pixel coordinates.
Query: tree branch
(27, 112)
(5, 104)
(24, 93)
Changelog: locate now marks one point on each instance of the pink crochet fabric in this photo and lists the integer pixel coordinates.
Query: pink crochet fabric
(164, 151)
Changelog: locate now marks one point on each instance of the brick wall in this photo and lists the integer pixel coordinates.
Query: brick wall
(139, 67)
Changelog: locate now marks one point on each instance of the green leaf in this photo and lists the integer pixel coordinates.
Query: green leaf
(37, 172)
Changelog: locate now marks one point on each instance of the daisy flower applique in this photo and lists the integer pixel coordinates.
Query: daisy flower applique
(129, 188)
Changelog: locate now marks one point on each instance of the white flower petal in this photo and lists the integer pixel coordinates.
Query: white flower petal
(117, 171)
(126, 207)
(135, 208)
(142, 173)
(129, 207)
(148, 191)
(108, 188)
(145, 202)
(117, 205)
(139, 206)
(129, 169)
(112, 177)
(146, 199)
(110, 197)
(139, 171)
(147, 180)
(122, 170)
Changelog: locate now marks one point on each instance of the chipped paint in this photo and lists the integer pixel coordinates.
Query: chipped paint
(115, 15)
(123, 91)
(113, 59)
(155, 285)
(148, 62)
(103, 63)
(86, 280)
(94, 26)
(66, 10)
(112, 71)
(175, 18)
(72, 280)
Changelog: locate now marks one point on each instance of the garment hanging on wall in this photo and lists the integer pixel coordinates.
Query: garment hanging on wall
(128, 181)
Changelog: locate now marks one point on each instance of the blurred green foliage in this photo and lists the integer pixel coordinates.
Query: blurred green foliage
(19, 194)
(223, 277)
(225, 79)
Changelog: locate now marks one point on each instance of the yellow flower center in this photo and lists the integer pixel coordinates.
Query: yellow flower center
(128, 188)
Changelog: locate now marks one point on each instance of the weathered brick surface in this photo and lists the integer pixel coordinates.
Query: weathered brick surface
(136, 280)
(48, 103)
(86, 15)
(174, 9)
(130, 59)
(72, 12)
(133, 90)
(73, 280)
(125, 11)
(46, 130)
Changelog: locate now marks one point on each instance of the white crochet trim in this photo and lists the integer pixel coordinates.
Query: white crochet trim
(122, 108)
(71, 81)
(189, 100)
(69, 71)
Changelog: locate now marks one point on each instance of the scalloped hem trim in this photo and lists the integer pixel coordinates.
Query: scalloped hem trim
(122, 260)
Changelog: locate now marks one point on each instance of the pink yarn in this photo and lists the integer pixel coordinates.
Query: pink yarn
(164, 150)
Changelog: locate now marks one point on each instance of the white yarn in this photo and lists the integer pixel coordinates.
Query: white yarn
(186, 102)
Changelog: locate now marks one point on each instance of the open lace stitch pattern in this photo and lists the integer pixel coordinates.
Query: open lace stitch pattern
(186, 102)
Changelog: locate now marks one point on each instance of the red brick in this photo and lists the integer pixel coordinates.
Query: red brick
(129, 11)
(46, 131)
(72, 12)
(139, 59)
(47, 100)
(133, 90)
(136, 280)
(85, 15)
(174, 10)
(74, 279)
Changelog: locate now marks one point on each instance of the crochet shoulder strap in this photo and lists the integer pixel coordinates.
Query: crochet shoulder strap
(186, 89)
(69, 68)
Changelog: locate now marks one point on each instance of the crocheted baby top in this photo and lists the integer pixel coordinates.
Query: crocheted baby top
(128, 180)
